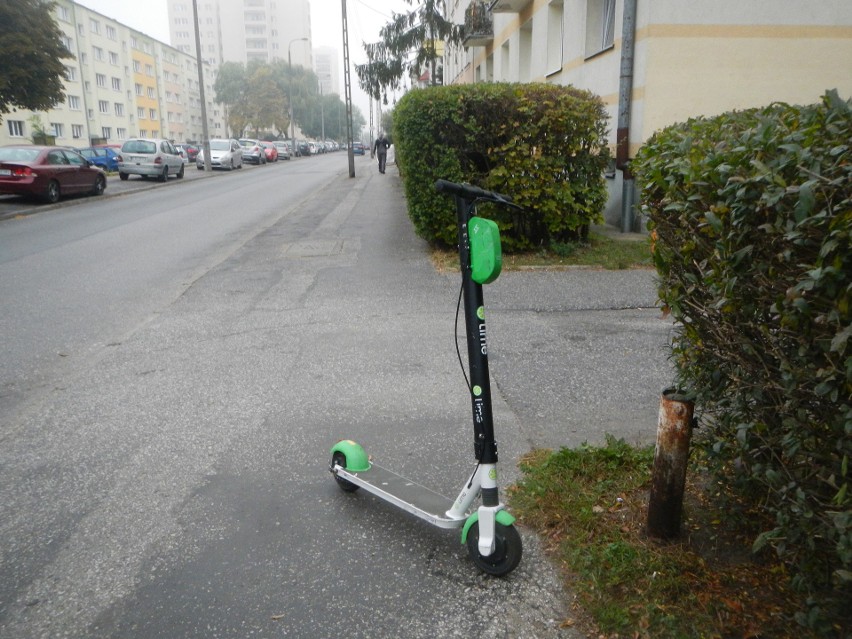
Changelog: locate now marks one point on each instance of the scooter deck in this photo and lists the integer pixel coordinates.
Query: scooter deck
(404, 493)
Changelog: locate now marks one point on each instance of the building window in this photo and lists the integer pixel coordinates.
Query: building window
(103, 106)
(140, 113)
(76, 131)
(554, 36)
(63, 14)
(71, 74)
(56, 129)
(68, 42)
(600, 26)
(16, 128)
(106, 132)
(121, 133)
(151, 93)
(119, 109)
(94, 26)
(143, 133)
(113, 58)
(112, 34)
(140, 90)
(116, 84)
(152, 114)
(149, 70)
(100, 80)
(137, 66)
(74, 102)
(98, 53)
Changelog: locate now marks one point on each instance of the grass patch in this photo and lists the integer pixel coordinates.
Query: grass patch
(590, 505)
(599, 252)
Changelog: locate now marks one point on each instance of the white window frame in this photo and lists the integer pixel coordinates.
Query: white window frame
(16, 128)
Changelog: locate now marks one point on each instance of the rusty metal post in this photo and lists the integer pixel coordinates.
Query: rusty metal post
(674, 430)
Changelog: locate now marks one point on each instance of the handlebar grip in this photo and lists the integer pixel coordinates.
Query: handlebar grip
(469, 192)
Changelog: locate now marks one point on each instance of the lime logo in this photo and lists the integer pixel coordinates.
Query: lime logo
(477, 390)
(480, 312)
(492, 474)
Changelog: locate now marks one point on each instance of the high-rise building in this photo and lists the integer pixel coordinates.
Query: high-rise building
(327, 68)
(244, 30)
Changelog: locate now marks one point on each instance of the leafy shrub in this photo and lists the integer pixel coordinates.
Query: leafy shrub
(751, 213)
(543, 145)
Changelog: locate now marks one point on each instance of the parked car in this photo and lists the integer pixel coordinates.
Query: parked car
(252, 151)
(224, 154)
(190, 150)
(270, 150)
(358, 148)
(150, 158)
(106, 157)
(304, 148)
(48, 172)
(283, 149)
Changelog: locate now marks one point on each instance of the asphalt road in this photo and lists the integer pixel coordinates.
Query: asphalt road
(177, 364)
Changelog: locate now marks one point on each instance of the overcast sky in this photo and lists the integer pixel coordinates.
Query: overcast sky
(365, 19)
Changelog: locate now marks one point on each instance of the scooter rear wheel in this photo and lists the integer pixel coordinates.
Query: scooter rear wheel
(339, 459)
(507, 550)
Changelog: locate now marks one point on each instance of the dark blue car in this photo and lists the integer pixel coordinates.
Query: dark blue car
(103, 156)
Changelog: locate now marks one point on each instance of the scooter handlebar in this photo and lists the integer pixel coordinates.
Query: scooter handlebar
(470, 193)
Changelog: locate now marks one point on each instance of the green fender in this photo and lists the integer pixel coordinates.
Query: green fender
(356, 459)
(502, 517)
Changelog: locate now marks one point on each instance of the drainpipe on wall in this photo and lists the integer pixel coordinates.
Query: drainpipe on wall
(622, 136)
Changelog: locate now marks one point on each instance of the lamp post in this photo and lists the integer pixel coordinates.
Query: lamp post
(294, 150)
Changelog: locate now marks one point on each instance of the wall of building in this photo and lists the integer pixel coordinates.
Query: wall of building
(691, 57)
(122, 83)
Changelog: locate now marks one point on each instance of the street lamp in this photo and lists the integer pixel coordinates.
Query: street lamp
(290, 65)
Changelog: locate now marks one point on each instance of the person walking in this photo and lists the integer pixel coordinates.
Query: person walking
(380, 148)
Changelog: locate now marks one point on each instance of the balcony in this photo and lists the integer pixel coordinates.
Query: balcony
(508, 6)
(478, 24)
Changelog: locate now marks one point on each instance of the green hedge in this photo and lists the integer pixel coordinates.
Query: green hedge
(543, 145)
(751, 213)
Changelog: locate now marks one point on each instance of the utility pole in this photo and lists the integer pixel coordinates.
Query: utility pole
(205, 133)
(347, 83)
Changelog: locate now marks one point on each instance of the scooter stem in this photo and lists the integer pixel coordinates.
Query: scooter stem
(485, 448)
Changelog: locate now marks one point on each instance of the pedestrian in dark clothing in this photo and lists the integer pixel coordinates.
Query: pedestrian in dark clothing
(380, 148)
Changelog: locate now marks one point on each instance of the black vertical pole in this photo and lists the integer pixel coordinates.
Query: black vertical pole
(485, 447)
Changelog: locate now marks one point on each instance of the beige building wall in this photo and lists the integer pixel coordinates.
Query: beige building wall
(691, 57)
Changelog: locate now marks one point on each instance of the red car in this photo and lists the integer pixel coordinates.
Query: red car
(270, 151)
(48, 172)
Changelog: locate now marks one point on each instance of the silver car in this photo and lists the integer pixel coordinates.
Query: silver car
(150, 158)
(224, 154)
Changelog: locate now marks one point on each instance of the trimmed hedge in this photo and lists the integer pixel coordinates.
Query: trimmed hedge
(543, 145)
(751, 214)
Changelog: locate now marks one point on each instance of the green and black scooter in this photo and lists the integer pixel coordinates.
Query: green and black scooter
(488, 531)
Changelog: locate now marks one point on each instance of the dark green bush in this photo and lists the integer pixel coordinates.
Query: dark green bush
(543, 145)
(751, 213)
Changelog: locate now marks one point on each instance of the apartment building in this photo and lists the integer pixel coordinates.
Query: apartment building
(327, 68)
(244, 30)
(121, 83)
(674, 60)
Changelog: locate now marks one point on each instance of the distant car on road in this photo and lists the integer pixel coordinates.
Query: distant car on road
(48, 172)
(358, 148)
(105, 157)
(270, 150)
(283, 150)
(252, 151)
(224, 154)
(150, 158)
(190, 151)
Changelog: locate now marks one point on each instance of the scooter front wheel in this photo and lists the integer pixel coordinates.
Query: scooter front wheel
(507, 550)
(339, 459)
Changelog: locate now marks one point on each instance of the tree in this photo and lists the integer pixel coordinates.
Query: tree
(407, 45)
(32, 72)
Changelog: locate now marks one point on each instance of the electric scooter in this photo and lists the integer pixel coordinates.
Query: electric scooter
(488, 531)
